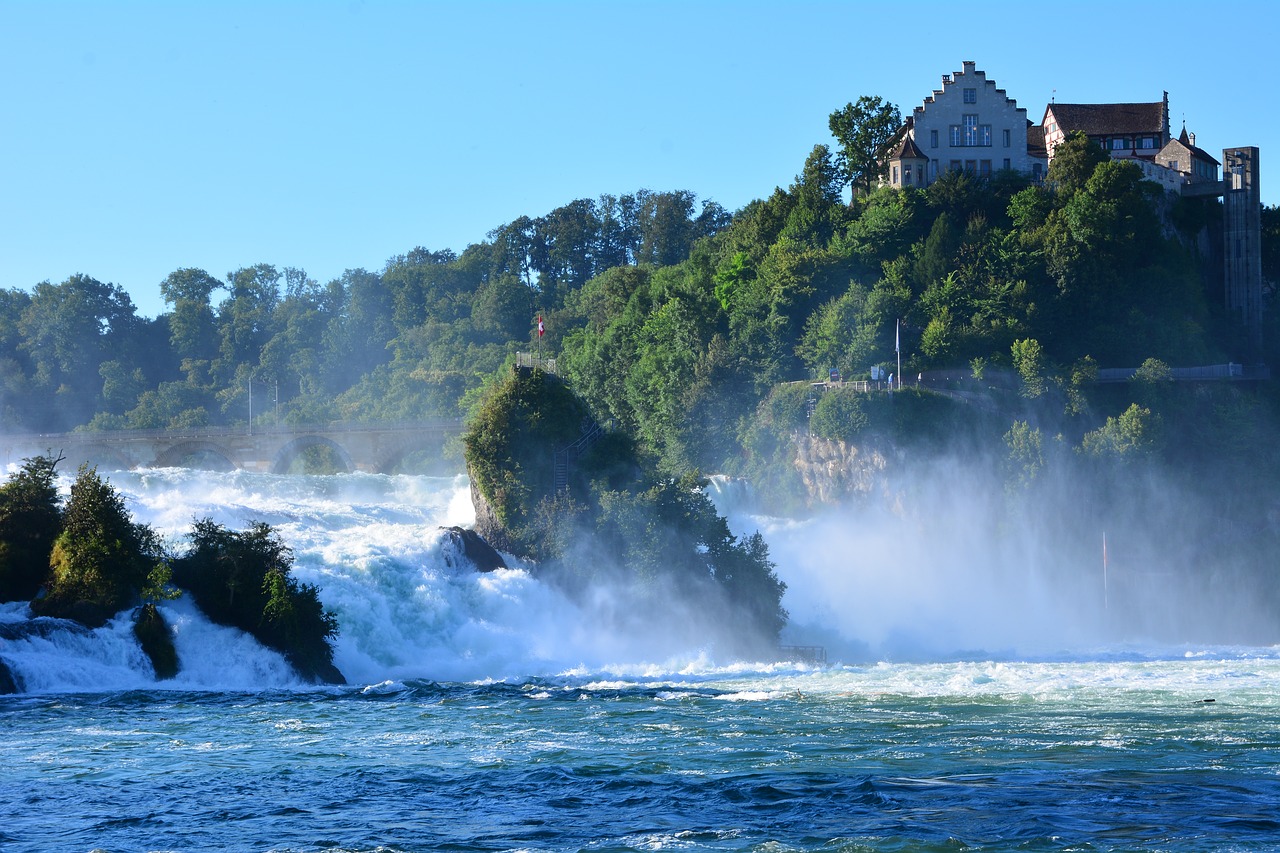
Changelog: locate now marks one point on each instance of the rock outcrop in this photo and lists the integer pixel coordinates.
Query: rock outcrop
(469, 545)
(833, 471)
(487, 526)
(156, 638)
(7, 684)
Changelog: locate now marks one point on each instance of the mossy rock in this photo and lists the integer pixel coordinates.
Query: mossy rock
(156, 638)
(7, 683)
(511, 446)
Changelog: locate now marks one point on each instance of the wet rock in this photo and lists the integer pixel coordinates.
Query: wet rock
(156, 639)
(472, 547)
(7, 683)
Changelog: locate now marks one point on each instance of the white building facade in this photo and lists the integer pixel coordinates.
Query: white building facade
(969, 124)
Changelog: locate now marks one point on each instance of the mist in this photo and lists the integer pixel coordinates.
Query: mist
(943, 562)
(938, 562)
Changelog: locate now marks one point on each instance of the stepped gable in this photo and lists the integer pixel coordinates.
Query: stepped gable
(968, 73)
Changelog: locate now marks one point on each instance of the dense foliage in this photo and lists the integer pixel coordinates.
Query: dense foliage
(243, 579)
(999, 300)
(30, 520)
(615, 521)
(674, 321)
(88, 561)
(101, 560)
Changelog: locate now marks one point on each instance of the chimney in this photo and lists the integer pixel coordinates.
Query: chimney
(946, 78)
(1191, 137)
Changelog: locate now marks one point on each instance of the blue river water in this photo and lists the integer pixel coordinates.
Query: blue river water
(489, 713)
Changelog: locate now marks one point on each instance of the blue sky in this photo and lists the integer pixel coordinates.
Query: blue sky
(139, 138)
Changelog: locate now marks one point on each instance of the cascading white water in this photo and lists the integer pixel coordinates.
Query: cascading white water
(947, 577)
(408, 605)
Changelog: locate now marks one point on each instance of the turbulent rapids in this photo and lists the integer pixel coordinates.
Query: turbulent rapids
(489, 711)
(868, 586)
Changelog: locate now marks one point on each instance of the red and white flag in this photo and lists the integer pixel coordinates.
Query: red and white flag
(541, 328)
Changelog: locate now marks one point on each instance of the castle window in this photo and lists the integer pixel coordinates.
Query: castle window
(1006, 137)
(984, 168)
(971, 96)
(933, 139)
(895, 174)
(906, 173)
(1007, 165)
(1119, 143)
(970, 134)
(1148, 142)
(955, 165)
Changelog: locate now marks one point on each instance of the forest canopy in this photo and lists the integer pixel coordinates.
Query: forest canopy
(673, 317)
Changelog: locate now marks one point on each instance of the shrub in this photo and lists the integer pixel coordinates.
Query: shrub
(243, 580)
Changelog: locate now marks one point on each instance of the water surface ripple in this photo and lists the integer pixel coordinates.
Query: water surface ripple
(768, 761)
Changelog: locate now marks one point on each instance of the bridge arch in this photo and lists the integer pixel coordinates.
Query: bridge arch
(286, 455)
(105, 458)
(180, 455)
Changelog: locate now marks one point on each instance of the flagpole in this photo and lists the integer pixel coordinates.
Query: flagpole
(897, 347)
(541, 329)
(1106, 595)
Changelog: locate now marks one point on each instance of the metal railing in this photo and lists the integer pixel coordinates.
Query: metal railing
(535, 361)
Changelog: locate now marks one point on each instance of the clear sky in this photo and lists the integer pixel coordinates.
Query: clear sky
(142, 137)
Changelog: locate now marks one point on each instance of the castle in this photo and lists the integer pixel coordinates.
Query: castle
(972, 125)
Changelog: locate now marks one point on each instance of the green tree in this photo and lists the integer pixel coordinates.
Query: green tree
(1029, 361)
(864, 130)
(1153, 384)
(1074, 161)
(246, 317)
(244, 579)
(1134, 435)
(68, 330)
(831, 336)
(1024, 456)
(30, 520)
(192, 325)
(818, 212)
(102, 560)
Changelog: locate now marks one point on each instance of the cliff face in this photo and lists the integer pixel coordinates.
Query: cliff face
(487, 525)
(833, 471)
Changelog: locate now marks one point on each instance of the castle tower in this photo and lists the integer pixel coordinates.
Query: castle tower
(1242, 249)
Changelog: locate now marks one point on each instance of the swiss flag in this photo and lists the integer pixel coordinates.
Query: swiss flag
(541, 329)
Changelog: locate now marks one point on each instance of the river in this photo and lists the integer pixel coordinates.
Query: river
(489, 712)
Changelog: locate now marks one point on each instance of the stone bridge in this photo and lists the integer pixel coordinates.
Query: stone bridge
(378, 448)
